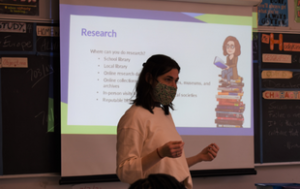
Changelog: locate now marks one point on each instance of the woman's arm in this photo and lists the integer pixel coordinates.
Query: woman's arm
(209, 153)
(130, 163)
(171, 149)
(234, 62)
(129, 145)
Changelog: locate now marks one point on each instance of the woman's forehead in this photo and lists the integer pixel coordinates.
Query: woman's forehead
(173, 73)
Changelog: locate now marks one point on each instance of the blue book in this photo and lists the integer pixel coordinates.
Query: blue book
(220, 63)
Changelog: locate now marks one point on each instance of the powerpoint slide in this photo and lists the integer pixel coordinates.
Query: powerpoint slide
(106, 54)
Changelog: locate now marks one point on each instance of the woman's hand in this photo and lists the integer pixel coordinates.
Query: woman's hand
(209, 153)
(172, 149)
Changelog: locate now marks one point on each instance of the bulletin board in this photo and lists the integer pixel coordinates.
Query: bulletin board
(277, 94)
(29, 80)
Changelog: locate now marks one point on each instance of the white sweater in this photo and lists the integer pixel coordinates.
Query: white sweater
(140, 133)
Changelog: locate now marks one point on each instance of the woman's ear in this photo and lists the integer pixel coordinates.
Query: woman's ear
(148, 78)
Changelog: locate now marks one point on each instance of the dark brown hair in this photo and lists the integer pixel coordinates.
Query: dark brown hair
(236, 45)
(155, 66)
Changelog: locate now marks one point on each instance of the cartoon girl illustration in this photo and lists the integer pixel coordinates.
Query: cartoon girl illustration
(231, 49)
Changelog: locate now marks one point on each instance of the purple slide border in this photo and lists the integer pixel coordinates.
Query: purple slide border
(215, 131)
(67, 10)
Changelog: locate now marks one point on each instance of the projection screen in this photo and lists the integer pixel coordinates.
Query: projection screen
(103, 46)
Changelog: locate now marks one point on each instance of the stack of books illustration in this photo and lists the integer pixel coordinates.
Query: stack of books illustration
(230, 108)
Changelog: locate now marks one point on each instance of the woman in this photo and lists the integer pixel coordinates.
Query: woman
(231, 49)
(147, 140)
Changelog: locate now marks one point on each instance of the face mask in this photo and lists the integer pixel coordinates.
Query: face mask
(164, 94)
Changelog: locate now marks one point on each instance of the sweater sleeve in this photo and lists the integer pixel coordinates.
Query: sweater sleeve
(129, 160)
(234, 62)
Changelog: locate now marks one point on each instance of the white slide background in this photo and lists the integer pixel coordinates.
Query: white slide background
(193, 45)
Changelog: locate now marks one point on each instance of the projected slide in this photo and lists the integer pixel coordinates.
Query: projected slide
(105, 55)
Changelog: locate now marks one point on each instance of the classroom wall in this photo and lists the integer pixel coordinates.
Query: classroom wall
(276, 173)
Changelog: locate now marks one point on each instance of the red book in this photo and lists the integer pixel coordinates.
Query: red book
(231, 115)
(242, 107)
(230, 118)
(230, 126)
(229, 122)
(229, 110)
(231, 103)
(228, 100)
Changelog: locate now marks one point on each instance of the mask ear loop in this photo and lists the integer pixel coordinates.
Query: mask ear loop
(166, 109)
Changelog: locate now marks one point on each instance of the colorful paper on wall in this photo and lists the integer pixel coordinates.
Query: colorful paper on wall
(282, 95)
(273, 13)
(297, 10)
(30, 7)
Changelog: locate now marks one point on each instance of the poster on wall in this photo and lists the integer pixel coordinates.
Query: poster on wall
(273, 13)
(23, 7)
(297, 10)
